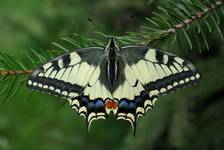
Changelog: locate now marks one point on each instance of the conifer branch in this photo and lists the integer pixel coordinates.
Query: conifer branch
(176, 18)
(197, 16)
(160, 32)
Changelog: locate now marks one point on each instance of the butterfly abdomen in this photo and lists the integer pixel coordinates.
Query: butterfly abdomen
(112, 65)
(112, 73)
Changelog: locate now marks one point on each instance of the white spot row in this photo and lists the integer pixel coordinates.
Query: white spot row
(169, 87)
(129, 117)
(65, 93)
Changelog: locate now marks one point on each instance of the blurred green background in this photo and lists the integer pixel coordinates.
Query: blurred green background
(192, 118)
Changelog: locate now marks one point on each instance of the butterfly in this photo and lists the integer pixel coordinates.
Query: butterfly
(125, 81)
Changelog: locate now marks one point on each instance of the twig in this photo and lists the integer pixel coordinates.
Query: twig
(15, 72)
(193, 18)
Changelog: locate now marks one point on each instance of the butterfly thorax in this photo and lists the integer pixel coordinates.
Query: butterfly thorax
(112, 63)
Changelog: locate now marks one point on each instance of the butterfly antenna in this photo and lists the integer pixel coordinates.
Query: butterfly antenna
(78, 33)
(98, 27)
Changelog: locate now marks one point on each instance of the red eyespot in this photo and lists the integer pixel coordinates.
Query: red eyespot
(110, 104)
(115, 105)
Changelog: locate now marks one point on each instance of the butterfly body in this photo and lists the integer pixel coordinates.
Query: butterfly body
(124, 80)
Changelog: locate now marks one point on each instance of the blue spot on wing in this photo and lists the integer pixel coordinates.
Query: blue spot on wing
(99, 103)
(132, 107)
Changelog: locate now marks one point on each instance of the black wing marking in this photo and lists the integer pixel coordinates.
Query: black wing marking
(75, 76)
(174, 72)
(148, 74)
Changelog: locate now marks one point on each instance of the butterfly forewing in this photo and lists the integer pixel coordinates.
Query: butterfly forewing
(172, 72)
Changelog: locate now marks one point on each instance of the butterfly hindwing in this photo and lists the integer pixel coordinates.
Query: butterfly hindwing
(150, 73)
(75, 76)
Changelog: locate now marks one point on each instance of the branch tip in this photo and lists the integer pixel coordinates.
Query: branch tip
(15, 72)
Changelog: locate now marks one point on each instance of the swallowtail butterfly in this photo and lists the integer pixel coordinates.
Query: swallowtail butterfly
(124, 80)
